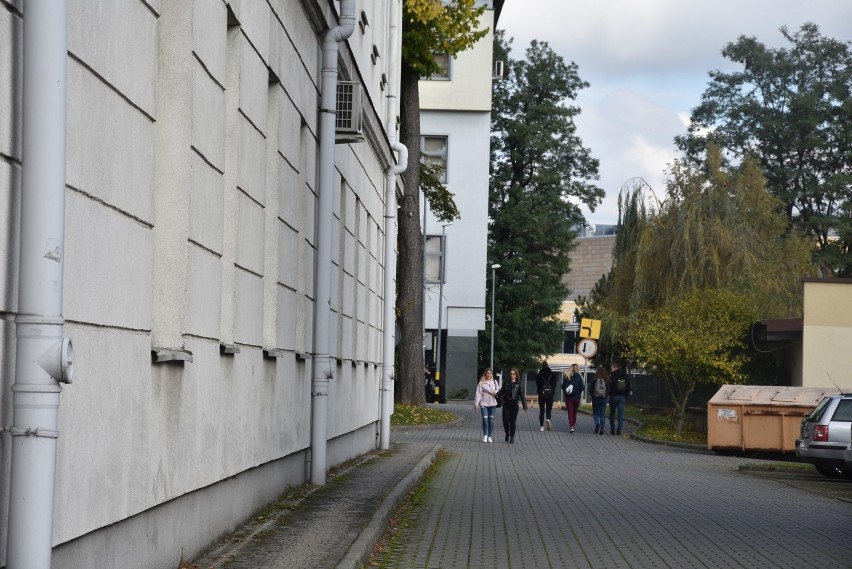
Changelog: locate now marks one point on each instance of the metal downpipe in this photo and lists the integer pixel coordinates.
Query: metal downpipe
(391, 224)
(43, 356)
(322, 365)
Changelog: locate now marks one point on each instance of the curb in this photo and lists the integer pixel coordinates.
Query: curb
(358, 554)
(448, 425)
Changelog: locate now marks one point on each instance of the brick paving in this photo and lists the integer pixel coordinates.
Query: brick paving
(556, 499)
(551, 500)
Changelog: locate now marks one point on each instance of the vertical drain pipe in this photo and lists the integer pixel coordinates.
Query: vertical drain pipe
(322, 366)
(43, 356)
(389, 308)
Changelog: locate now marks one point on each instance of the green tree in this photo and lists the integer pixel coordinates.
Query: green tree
(718, 229)
(539, 171)
(428, 27)
(791, 108)
(695, 338)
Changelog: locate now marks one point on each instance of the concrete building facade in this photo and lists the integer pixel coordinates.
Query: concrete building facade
(190, 263)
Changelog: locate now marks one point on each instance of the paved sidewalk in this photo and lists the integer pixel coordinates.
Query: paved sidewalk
(333, 526)
(551, 500)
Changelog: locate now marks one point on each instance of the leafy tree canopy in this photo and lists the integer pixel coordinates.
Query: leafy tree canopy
(718, 229)
(430, 26)
(539, 170)
(695, 338)
(791, 109)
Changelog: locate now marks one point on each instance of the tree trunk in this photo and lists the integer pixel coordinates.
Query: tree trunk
(409, 302)
(680, 393)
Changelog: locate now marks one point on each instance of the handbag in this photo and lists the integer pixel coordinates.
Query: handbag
(499, 398)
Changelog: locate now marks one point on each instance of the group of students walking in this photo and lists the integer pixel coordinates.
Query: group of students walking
(608, 387)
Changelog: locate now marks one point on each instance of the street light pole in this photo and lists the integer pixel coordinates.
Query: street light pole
(494, 268)
(441, 272)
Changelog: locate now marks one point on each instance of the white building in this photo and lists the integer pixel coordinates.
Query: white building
(196, 241)
(455, 126)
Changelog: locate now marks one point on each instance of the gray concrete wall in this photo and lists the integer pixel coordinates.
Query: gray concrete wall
(190, 207)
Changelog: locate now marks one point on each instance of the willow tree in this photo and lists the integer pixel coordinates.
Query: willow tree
(540, 171)
(718, 229)
(428, 27)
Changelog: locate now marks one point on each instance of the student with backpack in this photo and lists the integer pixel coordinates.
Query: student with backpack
(573, 387)
(545, 386)
(619, 389)
(600, 390)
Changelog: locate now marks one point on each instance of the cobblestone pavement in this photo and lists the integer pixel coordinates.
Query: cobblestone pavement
(555, 499)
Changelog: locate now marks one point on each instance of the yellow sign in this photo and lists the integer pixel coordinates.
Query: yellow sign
(590, 328)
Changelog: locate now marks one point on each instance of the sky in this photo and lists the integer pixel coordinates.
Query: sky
(648, 62)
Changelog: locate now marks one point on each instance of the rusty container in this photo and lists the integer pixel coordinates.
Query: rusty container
(759, 417)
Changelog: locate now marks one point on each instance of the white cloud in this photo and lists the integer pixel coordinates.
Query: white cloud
(647, 62)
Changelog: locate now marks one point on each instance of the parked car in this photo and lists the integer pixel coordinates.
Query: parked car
(826, 435)
(848, 454)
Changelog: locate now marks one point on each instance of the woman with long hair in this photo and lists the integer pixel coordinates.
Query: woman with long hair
(573, 387)
(513, 393)
(486, 401)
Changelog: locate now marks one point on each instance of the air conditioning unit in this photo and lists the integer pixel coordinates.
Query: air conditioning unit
(498, 70)
(350, 112)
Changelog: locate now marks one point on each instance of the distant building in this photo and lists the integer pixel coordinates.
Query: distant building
(455, 127)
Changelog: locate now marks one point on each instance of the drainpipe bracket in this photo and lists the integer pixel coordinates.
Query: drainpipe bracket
(37, 432)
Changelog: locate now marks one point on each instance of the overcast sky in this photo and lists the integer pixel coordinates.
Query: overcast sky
(648, 63)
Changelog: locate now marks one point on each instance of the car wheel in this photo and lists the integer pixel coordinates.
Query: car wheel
(830, 471)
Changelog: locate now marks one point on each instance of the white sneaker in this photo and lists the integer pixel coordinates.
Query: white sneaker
(485, 439)
(541, 429)
(490, 440)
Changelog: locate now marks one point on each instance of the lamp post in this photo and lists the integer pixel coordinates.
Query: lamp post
(438, 379)
(494, 268)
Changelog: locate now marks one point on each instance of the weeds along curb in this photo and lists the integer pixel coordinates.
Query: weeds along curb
(358, 554)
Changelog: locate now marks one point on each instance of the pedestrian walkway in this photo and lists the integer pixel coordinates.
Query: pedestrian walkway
(331, 526)
(551, 500)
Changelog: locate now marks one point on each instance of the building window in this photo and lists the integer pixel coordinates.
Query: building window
(434, 149)
(442, 59)
(435, 270)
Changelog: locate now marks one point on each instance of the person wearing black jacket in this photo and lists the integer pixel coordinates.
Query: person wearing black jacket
(573, 387)
(619, 388)
(545, 387)
(512, 394)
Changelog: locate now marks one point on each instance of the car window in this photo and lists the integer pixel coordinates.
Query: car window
(843, 411)
(818, 411)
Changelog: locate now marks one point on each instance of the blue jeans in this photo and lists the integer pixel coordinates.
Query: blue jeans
(616, 402)
(488, 420)
(599, 411)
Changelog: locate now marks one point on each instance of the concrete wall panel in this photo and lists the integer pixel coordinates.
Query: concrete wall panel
(203, 316)
(209, 24)
(208, 117)
(126, 51)
(108, 266)
(110, 145)
(250, 234)
(207, 205)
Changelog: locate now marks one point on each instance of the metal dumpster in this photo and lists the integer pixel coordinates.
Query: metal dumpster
(760, 417)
